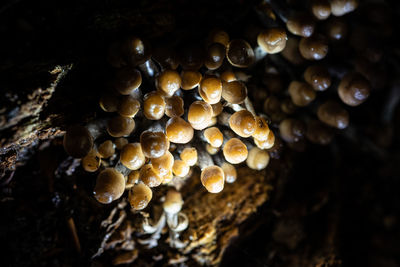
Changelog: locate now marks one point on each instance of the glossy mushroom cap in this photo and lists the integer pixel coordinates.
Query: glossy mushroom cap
(200, 114)
(132, 156)
(314, 47)
(127, 80)
(258, 159)
(332, 114)
(140, 196)
(174, 106)
(234, 92)
(321, 9)
(189, 156)
(301, 25)
(272, 40)
(180, 168)
(212, 150)
(291, 52)
(106, 149)
(210, 90)
(318, 77)
(342, 7)
(228, 76)
(109, 102)
(217, 109)
(77, 141)
(267, 144)
(91, 162)
(218, 36)
(168, 82)
(154, 144)
(262, 130)
(318, 133)
(301, 93)
(292, 130)
(214, 136)
(128, 106)
(336, 29)
(137, 50)
(229, 172)
(191, 56)
(120, 126)
(166, 57)
(190, 79)
(235, 151)
(149, 176)
(354, 89)
(153, 106)
(163, 165)
(173, 202)
(243, 123)
(215, 56)
(110, 185)
(133, 178)
(120, 142)
(213, 179)
(240, 54)
(179, 131)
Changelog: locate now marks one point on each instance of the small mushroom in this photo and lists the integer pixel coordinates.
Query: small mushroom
(321, 9)
(132, 156)
(91, 162)
(332, 114)
(215, 56)
(336, 29)
(120, 142)
(180, 168)
(314, 47)
(228, 76)
(189, 156)
(267, 144)
(154, 144)
(213, 179)
(191, 56)
(301, 24)
(214, 136)
(229, 172)
(239, 53)
(292, 130)
(149, 176)
(106, 149)
(318, 133)
(354, 89)
(153, 106)
(163, 165)
(168, 82)
(137, 50)
(217, 108)
(120, 126)
(318, 77)
(110, 185)
(235, 151)
(190, 79)
(200, 114)
(258, 159)
(127, 80)
(243, 123)
(210, 90)
(174, 106)
(272, 40)
(301, 93)
(262, 130)
(128, 106)
(342, 7)
(133, 178)
(234, 92)
(212, 150)
(179, 131)
(140, 196)
(218, 36)
(109, 102)
(77, 141)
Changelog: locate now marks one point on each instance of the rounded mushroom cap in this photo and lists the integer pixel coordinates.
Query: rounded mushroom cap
(318, 77)
(214, 136)
(200, 114)
(218, 36)
(243, 123)
(190, 79)
(235, 151)
(239, 53)
(110, 185)
(106, 149)
(120, 142)
(234, 92)
(272, 40)
(215, 56)
(91, 162)
(301, 24)
(138, 50)
(173, 202)
(314, 47)
(336, 29)
(153, 106)
(132, 156)
(267, 144)
(333, 114)
(212, 150)
(292, 130)
(191, 56)
(213, 179)
(174, 106)
(262, 130)
(154, 144)
(354, 89)
(149, 176)
(163, 165)
(229, 172)
(301, 93)
(217, 108)
(77, 141)
(321, 9)
(140, 196)
(318, 133)
(128, 107)
(189, 156)
(166, 56)
(127, 80)
(228, 76)
(211, 89)
(120, 126)
(180, 168)
(168, 82)
(133, 178)
(179, 131)
(287, 106)
(258, 159)
(109, 102)
(342, 7)
(291, 52)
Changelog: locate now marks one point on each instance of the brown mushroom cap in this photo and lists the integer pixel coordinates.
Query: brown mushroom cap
(174, 106)
(154, 144)
(211, 89)
(342, 7)
(218, 36)
(272, 40)
(321, 9)
(133, 178)
(314, 47)
(180, 168)
(301, 24)
(243, 123)
(109, 102)
(230, 172)
(217, 108)
(318, 77)
(191, 56)
(168, 82)
(292, 130)
(110, 185)
(333, 115)
(228, 76)
(173, 202)
(77, 141)
(140, 196)
(239, 53)
(120, 142)
(267, 144)
(137, 50)
(190, 79)
(287, 106)
(318, 133)
(106, 149)
(163, 165)
(262, 130)
(200, 114)
(153, 106)
(301, 93)
(189, 156)
(291, 52)
(354, 89)
(258, 159)
(235, 151)
(91, 162)
(166, 56)
(149, 176)
(132, 156)
(127, 80)
(212, 150)
(234, 92)
(213, 179)
(214, 136)
(336, 29)
(128, 106)
(120, 126)
(179, 131)
(215, 56)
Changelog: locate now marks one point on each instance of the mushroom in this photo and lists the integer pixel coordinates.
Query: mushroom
(217, 108)
(239, 53)
(210, 90)
(200, 114)
(133, 178)
(132, 156)
(292, 130)
(228, 76)
(212, 150)
(321, 9)
(120, 126)
(318, 77)
(128, 106)
(318, 133)
(314, 47)
(154, 144)
(168, 82)
(109, 102)
(153, 106)
(342, 7)
(189, 156)
(332, 114)
(354, 89)
(191, 56)
(215, 56)
(262, 130)
(301, 24)
(163, 165)
(243, 123)
(336, 29)
(267, 144)
(272, 40)
(229, 172)
(257, 159)
(190, 79)
(106, 149)
(218, 36)
(140, 196)
(213, 179)
(213, 136)
(110, 185)
(301, 93)
(235, 151)
(174, 106)
(149, 176)
(127, 80)
(234, 92)
(91, 162)
(180, 168)
(77, 141)
(120, 142)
